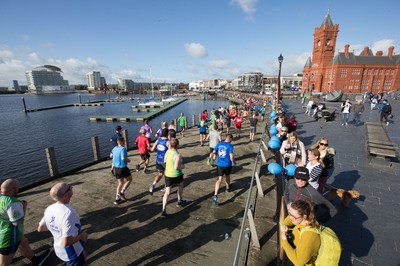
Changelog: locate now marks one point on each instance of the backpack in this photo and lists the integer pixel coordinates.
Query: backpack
(330, 250)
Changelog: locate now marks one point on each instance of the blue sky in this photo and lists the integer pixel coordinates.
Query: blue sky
(181, 40)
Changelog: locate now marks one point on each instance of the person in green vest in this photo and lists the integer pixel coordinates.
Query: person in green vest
(173, 175)
(182, 123)
(12, 214)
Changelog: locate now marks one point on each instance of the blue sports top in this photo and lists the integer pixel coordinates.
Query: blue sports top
(119, 153)
(161, 149)
(223, 150)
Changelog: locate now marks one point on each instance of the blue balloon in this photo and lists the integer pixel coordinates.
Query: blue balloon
(273, 114)
(275, 138)
(290, 169)
(274, 144)
(273, 131)
(272, 121)
(273, 126)
(274, 168)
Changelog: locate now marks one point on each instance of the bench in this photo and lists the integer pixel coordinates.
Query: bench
(329, 114)
(378, 142)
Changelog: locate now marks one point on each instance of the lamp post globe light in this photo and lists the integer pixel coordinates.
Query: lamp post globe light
(278, 92)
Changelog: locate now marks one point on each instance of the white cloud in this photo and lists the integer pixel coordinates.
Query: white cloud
(6, 54)
(34, 57)
(196, 50)
(291, 64)
(47, 45)
(380, 45)
(248, 6)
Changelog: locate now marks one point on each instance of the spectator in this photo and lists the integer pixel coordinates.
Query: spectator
(298, 188)
(304, 247)
(293, 150)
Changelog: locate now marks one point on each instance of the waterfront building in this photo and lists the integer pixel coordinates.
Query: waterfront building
(347, 71)
(47, 79)
(126, 85)
(95, 80)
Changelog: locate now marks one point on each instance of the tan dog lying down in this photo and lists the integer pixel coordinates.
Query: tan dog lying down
(345, 195)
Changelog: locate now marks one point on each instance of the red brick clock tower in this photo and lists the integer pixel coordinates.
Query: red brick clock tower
(322, 55)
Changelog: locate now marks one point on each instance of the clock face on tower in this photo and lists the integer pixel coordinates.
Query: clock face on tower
(328, 42)
(319, 43)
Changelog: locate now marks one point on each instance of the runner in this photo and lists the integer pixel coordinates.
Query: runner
(173, 175)
(161, 145)
(203, 130)
(182, 124)
(123, 175)
(238, 124)
(224, 151)
(143, 144)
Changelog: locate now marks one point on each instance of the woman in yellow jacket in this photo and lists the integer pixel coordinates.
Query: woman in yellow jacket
(300, 248)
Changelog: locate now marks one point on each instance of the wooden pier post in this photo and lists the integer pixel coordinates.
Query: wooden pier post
(96, 148)
(193, 120)
(80, 100)
(51, 161)
(125, 135)
(23, 102)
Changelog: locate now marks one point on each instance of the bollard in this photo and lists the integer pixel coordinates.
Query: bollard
(125, 135)
(23, 102)
(96, 148)
(80, 100)
(51, 161)
(194, 121)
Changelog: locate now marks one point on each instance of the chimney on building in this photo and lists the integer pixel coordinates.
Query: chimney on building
(379, 53)
(346, 50)
(390, 52)
(366, 49)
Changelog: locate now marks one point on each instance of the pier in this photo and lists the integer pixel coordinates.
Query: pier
(148, 112)
(133, 233)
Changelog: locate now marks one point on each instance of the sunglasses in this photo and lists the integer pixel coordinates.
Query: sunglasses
(68, 190)
(323, 144)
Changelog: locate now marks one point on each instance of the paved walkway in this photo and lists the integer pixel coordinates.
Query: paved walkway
(369, 229)
(133, 233)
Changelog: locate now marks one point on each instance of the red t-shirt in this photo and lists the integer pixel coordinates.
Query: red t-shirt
(142, 143)
(238, 121)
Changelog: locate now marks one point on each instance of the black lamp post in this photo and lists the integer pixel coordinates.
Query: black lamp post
(278, 93)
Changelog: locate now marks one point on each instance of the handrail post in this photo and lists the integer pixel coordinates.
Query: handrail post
(51, 161)
(125, 135)
(96, 148)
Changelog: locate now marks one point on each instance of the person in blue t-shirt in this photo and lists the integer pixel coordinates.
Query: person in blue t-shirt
(224, 152)
(161, 145)
(122, 173)
(203, 130)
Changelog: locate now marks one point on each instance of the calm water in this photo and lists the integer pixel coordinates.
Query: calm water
(68, 130)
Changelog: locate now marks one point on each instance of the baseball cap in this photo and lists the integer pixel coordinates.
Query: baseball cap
(302, 173)
(118, 128)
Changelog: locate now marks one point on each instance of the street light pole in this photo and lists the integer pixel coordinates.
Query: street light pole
(278, 93)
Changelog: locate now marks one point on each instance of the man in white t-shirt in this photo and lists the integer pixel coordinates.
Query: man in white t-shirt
(64, 224)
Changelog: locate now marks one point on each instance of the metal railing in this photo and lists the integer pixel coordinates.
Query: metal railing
(249, 201)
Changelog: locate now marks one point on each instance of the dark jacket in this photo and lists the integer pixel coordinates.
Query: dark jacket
(324, 211)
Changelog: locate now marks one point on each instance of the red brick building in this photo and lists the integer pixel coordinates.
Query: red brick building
(346, 71)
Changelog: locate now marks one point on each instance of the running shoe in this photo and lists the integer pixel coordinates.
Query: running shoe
(209, 161)
(122, 196)
(215, 200)
(137, 167)
(151, 189)
(181, 203)
(229, 188)
(164, 214)
(119, 201)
